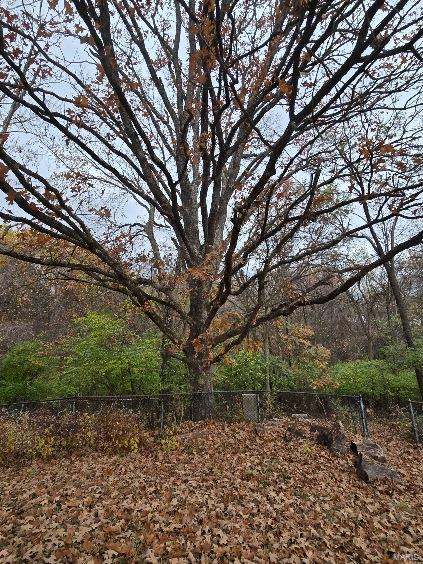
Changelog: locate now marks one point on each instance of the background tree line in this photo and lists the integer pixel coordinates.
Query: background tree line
(63, 338)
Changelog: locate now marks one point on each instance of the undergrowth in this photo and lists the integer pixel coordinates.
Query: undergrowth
(43, 435)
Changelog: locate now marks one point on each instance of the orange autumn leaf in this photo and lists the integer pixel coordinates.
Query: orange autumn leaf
(68, 8)
(81, 101)
(387, 149)
(3, 171)
(285, 88)
(11, 196)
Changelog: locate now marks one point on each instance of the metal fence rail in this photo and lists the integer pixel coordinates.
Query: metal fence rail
(164, 409)
(415, 410)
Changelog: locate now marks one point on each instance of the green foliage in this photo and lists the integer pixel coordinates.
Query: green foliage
(169, 440)
(307, 449)
(106, 358)
(374, 379)
(244, 370)
(400, 357)
(284, 376)
(28, 372)
(391, 378)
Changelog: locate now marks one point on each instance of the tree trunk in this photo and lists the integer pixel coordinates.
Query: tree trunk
(267, 358)
(197, 354)
(370, 349)
(201, 384)
(165, 358)
(268, 384)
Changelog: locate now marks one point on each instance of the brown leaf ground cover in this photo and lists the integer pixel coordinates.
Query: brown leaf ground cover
(224, 494)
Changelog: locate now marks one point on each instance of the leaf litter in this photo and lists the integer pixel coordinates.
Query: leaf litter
(223, 494)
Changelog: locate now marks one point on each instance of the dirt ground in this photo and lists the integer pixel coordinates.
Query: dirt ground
(215, 493)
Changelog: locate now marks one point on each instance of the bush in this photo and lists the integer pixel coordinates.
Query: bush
(29, 371)
(400, 357)
(43, 435)
(374, 379)
(106, 358)
(244, 370)
(103, 358)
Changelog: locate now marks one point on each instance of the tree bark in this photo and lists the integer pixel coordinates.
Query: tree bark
(197, 354)
(201, 384)
(370, 348)
(267, 359)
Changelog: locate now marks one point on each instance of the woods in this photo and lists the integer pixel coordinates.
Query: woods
(193, 155)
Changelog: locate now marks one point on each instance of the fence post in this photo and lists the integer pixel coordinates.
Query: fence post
(251, 407)
(162, 415)
(363, 416)
(414, 423)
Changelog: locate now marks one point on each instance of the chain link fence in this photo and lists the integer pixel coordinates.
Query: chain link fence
(242, 405)
(350, 410)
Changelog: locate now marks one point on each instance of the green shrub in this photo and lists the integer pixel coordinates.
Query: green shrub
(103, 358)
(244, 370)
(29, 371)
(106, 358)
(374, 379)
(174, 376)
(400, 357)
(284, 376)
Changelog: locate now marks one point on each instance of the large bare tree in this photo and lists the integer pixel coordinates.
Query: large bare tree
(183, 152)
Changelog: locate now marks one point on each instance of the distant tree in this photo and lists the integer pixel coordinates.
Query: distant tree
(182, 153)
(396, 163)
(39, 304)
